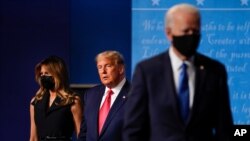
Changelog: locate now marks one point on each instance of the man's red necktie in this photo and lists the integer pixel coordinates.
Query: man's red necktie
(103, 112)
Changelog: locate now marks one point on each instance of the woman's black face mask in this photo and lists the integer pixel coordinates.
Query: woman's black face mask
(48, 82)
(186, 44)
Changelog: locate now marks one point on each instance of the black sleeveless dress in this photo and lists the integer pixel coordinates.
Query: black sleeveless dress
(55, 122)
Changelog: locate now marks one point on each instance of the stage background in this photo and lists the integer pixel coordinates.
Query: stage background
(225, 37)
(31, 30)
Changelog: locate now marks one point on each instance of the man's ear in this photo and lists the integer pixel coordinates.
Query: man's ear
(121, 69)
(168, 33)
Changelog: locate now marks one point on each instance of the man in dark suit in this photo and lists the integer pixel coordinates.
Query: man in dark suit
(104, 104)
(156, 110)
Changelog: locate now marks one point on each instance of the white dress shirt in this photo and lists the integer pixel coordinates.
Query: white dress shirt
(116, 90)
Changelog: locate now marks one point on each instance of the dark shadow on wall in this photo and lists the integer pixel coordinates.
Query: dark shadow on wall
(32, 30)
(29, 32)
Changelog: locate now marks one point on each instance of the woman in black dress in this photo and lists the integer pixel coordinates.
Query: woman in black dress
(55, 110)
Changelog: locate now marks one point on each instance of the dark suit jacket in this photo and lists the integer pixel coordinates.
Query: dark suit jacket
(112, 129)
(152, 112)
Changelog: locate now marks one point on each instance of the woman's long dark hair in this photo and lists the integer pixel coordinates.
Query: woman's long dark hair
(57, 67)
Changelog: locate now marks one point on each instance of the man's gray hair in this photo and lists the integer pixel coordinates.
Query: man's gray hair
(187, 8)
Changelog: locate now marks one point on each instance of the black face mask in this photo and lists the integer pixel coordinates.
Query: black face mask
(47, 82)
(186, 44)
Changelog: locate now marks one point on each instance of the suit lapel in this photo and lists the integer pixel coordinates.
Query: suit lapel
(170, 86)
(120, 100)
(200, 70)
(55, 105)
(96, 107)
(43, 104)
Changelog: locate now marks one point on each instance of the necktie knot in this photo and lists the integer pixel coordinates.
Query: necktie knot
(183, 78)
(184, 66)
(110, 92)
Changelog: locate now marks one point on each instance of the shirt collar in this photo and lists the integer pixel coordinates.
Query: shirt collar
(176, 62)
(117, 88)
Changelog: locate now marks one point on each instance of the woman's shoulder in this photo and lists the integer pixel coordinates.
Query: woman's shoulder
(74, 97)
(77, 99)
(32, 101)
(77, 103)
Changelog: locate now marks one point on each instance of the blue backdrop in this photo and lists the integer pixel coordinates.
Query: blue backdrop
(225, 37)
